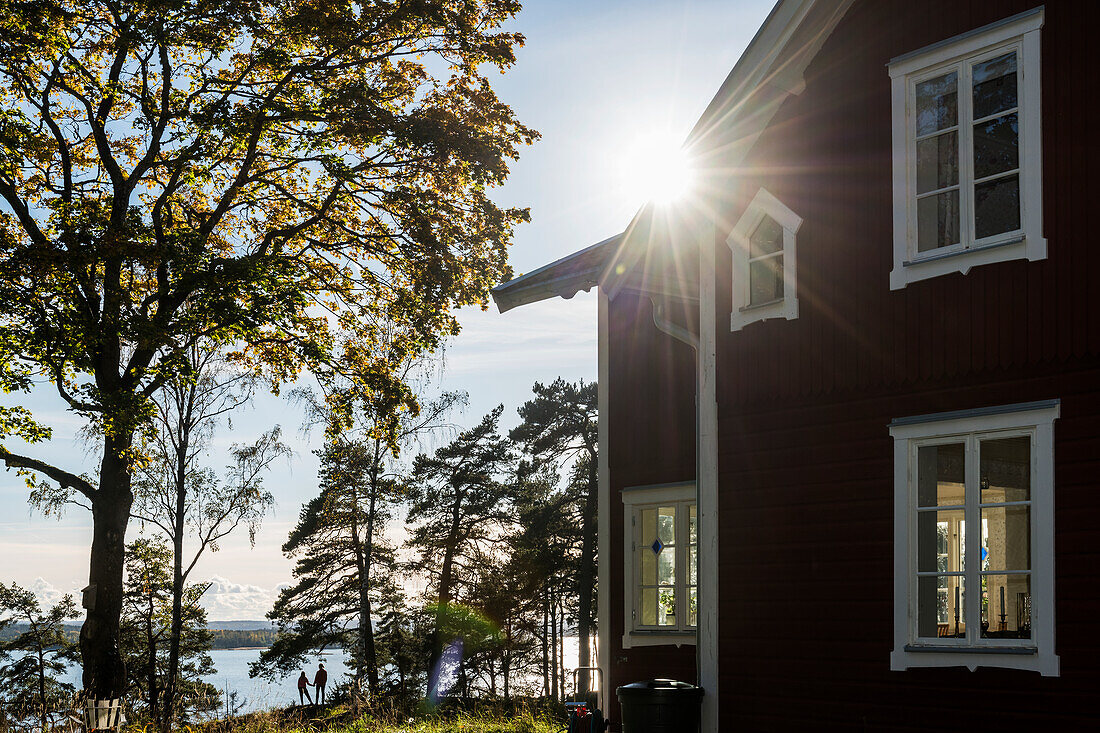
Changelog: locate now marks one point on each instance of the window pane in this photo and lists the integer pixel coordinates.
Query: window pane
(994, 85)
(649, 607)
(940, 541)
(767, 238)
(666, 567)
(693, 607)
(666, 607)
(938, 221)
(938, 162)
(766, 280)
(996, 146)
(1006, 538)
(693, 545)
(1006, 470)
(666, 525)
(1006, 606)
(648, 567)
(941, 474)
(941, 606)
(997, 206)
(937, 103)
(649, 527)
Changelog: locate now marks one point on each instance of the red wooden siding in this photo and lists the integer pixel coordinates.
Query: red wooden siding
(806, 485)
(651, 441)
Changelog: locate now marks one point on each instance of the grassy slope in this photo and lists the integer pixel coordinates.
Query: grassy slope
(341, 720)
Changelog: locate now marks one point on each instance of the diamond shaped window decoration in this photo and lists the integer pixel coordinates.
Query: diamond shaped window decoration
(657, 546)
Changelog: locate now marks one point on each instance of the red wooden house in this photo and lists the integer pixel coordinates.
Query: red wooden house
(850, 389)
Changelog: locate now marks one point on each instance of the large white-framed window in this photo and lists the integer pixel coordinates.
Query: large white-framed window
(765, 262)
(967, 151)
(660, 564)
(974, 534)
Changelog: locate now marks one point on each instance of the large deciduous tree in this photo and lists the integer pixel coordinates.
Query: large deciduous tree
(255, 172)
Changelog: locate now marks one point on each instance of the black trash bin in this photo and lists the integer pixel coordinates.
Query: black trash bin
(660, 706)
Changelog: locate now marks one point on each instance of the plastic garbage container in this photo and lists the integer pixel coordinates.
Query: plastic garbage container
(660, 706)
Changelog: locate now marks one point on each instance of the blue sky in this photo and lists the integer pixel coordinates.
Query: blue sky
(600, 80)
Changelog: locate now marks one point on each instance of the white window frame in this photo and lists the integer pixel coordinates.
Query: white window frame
(1035, 419)
(634, 500)
(1020, 32)
(744, 313)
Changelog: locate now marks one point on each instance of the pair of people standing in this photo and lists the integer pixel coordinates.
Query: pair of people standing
(319, 681)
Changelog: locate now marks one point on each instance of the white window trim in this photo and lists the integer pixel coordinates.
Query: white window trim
(763, 204)
(634, 497)
(909, 651)
(1023, 30)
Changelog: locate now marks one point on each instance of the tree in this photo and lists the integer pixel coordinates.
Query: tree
(255, 173)
(458, 506)
(326, 606)
(29, 683)
(544, 555)
(148, 627)
(560, 424)
(344, 570)
(177, 494)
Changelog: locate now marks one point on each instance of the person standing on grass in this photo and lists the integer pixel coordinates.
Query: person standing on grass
(319, 682)
(303, 693)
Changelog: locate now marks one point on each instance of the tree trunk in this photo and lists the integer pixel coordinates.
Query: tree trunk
(151, 669)
(445, 579)
(554, 649)
(42, 686)
(104, 674)
(545, 647)
(586, 575)
(366, 627)
(561, 649)
(506, 660)
(178, 580)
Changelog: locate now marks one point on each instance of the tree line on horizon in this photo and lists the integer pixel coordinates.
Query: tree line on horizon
(219, 638)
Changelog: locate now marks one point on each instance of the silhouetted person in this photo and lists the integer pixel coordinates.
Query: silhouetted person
(303, 693)
(319, 682)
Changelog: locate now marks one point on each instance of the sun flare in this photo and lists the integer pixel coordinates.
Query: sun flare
(655, 169)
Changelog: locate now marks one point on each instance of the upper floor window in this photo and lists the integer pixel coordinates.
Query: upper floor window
(661, 568)
(764, 265)
(968, 151)
(974, 526)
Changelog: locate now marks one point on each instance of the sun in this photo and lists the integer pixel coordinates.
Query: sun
(654, 168)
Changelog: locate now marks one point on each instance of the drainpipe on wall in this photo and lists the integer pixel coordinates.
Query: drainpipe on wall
(706, 473)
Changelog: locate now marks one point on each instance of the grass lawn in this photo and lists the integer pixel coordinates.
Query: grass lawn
(341, 720)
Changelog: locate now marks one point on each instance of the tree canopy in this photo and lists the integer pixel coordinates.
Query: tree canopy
(259, 173)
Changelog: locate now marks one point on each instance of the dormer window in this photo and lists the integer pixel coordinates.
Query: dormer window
(764, 267)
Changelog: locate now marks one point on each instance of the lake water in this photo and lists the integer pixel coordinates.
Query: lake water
(256, 694)
(259, 694)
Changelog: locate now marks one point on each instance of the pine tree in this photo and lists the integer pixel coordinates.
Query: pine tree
(560, 428)
(29, 686)
(344, 569)
(458, 508)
